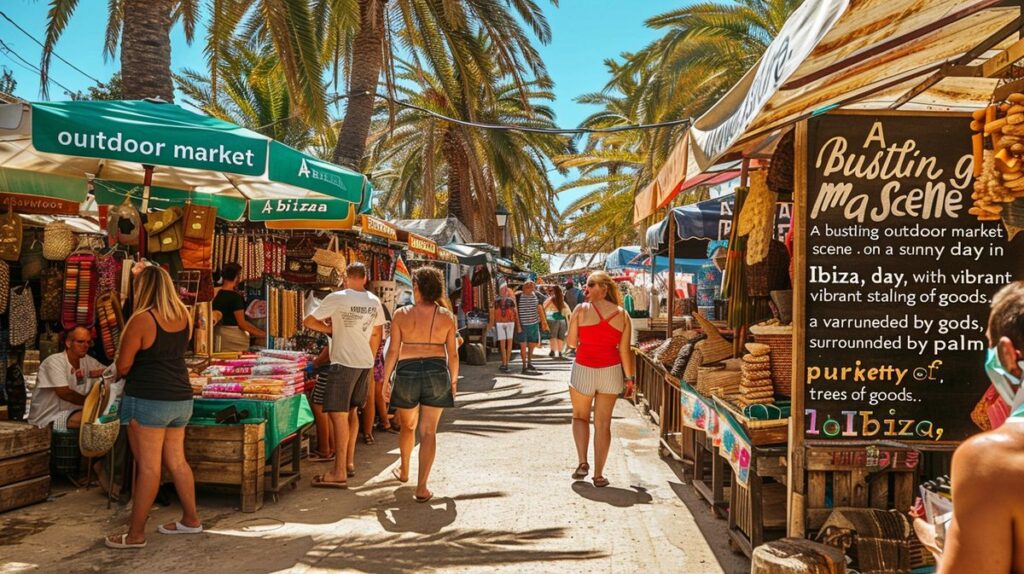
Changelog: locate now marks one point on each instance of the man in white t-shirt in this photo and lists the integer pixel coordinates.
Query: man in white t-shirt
(62, 383)
(354, 318)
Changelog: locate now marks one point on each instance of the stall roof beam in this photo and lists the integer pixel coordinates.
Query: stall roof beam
(1003, 60)
(991, 42)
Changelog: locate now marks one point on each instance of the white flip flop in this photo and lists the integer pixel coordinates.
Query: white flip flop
(180, 528)
(123, 544)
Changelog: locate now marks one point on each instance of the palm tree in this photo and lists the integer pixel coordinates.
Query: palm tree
(423, 162)
(442, 34)
(142, 28)
(253, 94)
(706, 49)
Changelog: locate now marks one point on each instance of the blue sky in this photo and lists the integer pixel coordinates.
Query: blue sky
(585, 33)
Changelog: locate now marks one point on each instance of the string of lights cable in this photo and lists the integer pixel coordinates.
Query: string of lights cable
(29, 65)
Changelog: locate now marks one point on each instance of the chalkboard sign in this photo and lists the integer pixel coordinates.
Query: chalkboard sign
(899, 279)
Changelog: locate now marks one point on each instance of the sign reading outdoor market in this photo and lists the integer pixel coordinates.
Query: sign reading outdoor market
(899, 279)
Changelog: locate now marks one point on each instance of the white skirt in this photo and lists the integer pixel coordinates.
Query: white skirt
(590, 381)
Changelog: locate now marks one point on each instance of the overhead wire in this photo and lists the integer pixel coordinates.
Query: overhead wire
(55, 54)
(25, 63)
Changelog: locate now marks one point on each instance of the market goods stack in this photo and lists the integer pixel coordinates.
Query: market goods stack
(756, 384)
(24, 465)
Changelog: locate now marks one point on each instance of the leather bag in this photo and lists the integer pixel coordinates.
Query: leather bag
(199, 221)
(51, 294)
(197, 254)
(32, 260)
(10, 236)
(165, 231)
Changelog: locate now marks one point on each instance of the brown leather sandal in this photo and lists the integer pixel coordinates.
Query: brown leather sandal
(581, 471)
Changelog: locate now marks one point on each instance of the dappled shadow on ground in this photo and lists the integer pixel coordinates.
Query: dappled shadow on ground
(712, 527)
(399, 554)
(513, 409)
(613, 496)
(404, 514)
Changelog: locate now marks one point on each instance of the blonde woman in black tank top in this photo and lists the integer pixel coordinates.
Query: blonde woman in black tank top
(157, 403)
(425, 365)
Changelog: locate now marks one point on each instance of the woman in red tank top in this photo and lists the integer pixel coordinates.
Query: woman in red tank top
(600, 331)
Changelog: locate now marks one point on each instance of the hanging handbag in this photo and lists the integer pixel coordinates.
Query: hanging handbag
(32, 260)
(206, 289)
(165, 230)
(10, 236)
(23, 316)
(58, 241)
(199, 221)
(299, 266)
(124, 224)
(51, 288)
(49, 343)
(330, 262)
(109, 268)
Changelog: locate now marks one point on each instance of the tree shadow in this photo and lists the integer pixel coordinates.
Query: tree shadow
(613, 496)
(507, 412)
(406, 515)
(402, 554)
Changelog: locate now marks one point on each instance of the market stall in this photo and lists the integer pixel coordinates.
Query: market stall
(903, 225)
(165, 196)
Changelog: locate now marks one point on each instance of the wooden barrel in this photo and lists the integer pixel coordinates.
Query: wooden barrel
(797, 556)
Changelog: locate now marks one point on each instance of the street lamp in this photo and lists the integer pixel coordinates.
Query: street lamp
(502, 215)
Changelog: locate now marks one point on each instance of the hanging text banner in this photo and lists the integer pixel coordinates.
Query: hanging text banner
(39, 205)
(147, 133)
(422, 245)
(378, 228)
(447, 256)
(305, 209)
(899, 279)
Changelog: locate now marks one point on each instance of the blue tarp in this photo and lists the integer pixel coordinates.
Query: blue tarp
(622, 258)
(711, 219)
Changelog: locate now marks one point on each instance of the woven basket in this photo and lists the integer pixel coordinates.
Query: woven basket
(715, 348)
(693, 367)
(668, 355)
(780, 339)
(772, 274)
(780, 172)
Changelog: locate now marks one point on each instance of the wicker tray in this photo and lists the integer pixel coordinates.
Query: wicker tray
(760, 433)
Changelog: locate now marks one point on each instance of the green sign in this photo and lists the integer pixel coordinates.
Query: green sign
(288, 209)
(290, 166)
(113, 193)
(147, 133)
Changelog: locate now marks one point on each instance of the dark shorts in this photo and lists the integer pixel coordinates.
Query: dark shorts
(344, 388)
(529, 334)
(156, 414)
(319, 388)
(422, 382)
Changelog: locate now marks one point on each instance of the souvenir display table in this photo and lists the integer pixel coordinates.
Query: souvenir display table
(281, 421)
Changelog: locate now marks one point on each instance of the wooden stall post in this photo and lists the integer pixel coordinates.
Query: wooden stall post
(795, 480)
(671, 270)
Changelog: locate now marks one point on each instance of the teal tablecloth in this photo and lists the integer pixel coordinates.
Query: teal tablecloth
(284, 416)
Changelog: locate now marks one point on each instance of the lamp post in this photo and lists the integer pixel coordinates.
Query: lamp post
(504, 242)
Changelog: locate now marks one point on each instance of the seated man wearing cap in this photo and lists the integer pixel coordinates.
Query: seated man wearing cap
(61, 385)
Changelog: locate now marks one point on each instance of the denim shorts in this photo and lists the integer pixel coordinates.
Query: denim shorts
(422, 382)
(345, 388)
(156, 414)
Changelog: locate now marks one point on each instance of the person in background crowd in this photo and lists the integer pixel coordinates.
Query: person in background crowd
(600, 332)
(505, 322)
(424, 359)
(62, 385)
(558, 320)
(532, 321)
(157, 403)
(572, 295)
(324, 429)
(384, 422)
(234, 330)
(986, 534)
(354, 318)
(374, 400)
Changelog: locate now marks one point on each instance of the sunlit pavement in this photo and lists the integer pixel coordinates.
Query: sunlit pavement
(504, 502)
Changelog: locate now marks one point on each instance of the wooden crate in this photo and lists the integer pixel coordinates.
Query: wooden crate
(229, 455)
(671, 419)
(858, 475)
(23, 493)
(24, 467)
(17, 439)
(757, 510)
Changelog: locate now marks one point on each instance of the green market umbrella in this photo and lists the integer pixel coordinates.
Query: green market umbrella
(56, 149)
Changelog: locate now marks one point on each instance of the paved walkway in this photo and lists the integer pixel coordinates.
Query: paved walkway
(503, 502)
